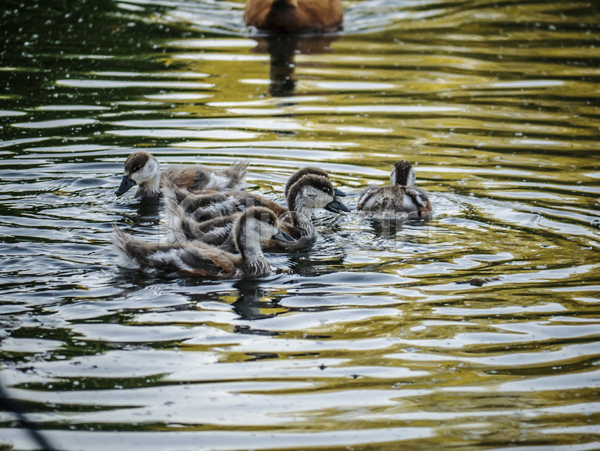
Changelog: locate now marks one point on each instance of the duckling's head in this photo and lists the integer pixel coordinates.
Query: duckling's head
(306, 171)
(141, 169)
(314, 191)
(256, 224)
(403, 173)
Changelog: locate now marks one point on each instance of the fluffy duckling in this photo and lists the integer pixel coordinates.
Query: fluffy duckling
(399, 197)
(197, 259)
(182, 228)
(305, 171)
(308, 193)
(143, 170)
(294, 16)
(209, 205)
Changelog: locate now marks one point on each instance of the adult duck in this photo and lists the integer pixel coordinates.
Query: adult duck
(294, 16)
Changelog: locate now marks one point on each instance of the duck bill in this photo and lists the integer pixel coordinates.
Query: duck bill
(126, 185)
(281, 235)
(339, 192)
(336, 206)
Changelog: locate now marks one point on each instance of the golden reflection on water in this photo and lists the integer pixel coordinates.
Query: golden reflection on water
(475, 330)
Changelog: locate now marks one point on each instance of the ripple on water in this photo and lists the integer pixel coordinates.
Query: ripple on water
(477, 328)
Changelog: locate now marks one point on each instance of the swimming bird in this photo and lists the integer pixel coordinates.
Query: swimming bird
(208, 204)
(309, 192)
(199, 259)
(142, 169)
(309, 170)
(182, 228)
(399, 197)
(294, 16)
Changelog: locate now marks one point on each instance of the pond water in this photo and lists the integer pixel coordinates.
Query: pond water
(476, 330)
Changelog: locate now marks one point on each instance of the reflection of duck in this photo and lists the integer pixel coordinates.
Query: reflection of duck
(309, 192)
(198, 259)
(252, 304)
(283, 50)
(142, 169)
(399, 197)
(294, 16)
(386, 227)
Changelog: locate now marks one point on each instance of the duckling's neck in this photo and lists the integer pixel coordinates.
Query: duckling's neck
(298, 225)
(151, 187)
(301, 206)
(248, 244)
(148, 192)
(403, 177)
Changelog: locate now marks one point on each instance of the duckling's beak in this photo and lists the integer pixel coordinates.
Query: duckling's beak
(336, 206)
(126, 185)
(281, 235)
(339, 192)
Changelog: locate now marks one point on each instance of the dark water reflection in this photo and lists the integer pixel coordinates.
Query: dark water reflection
(478, 329)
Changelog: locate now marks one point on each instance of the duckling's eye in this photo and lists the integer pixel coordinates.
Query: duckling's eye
(137, 168)
(325, 190)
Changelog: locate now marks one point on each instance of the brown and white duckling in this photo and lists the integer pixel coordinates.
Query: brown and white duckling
(305, 171)
(308, 193)
(142, 169)
(207, 205)
(399, 197)
(182, 228)
(198, 259)
(294, 16)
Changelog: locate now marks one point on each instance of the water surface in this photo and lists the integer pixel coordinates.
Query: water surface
(479, 329)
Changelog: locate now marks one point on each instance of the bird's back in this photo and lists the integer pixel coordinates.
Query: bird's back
(294, 16)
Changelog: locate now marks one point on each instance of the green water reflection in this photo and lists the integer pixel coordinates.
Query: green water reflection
(478, 329)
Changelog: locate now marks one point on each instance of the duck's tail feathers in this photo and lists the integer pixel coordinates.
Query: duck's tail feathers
(177, 224)
(236, 173)
(123, 245)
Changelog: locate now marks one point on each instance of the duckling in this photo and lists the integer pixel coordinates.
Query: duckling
(294, 16)
(182, 228)
(198, 259)
(309, 170)
(308, 193)
(399, 197)
(142, 169)
(208, 204)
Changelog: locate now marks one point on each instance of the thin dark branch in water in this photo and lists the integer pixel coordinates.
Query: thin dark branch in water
(15, 407)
